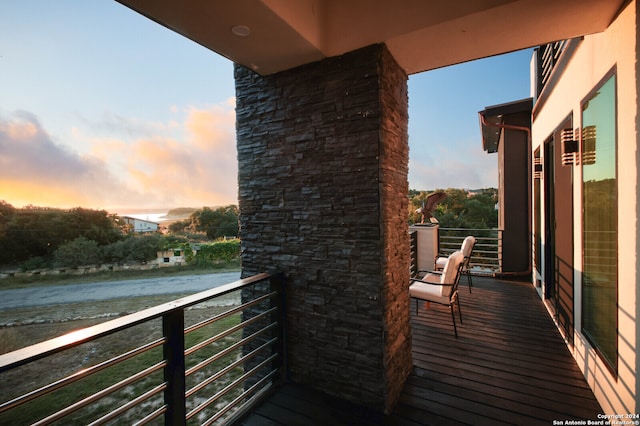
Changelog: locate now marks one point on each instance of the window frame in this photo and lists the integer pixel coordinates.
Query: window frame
(611, 364)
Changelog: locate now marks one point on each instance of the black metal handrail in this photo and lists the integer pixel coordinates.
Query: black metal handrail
(201, 373)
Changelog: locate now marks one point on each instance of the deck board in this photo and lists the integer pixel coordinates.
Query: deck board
(509, 365)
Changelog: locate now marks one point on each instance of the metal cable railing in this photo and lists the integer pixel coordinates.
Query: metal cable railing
(486, 258)
(202, 373)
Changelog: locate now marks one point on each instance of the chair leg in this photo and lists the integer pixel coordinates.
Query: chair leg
(469, 281)
(459, 310)
(453, 317)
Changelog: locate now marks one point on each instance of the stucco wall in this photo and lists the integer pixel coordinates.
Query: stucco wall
(595, 56)
(514, 196)
(323, 164)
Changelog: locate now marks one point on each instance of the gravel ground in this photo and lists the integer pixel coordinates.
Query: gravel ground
(98, 291)
(32, 315)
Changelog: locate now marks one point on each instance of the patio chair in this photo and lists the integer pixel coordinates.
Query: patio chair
(440, 287)
(467, 248)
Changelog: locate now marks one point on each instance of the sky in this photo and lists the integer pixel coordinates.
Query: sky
(103, 108)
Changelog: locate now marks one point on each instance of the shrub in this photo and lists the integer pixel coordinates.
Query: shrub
(115, 252)
(80, 251)
(136, 248)
(38, 262)
(221, 251)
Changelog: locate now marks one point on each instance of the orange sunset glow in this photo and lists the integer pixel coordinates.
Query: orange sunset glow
(189, 163)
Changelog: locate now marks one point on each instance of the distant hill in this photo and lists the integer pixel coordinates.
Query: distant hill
(180, 212)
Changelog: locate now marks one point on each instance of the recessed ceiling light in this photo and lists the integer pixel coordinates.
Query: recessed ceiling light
(241, 30)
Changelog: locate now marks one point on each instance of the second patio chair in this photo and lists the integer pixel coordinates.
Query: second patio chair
(467, 248)
(441, 288)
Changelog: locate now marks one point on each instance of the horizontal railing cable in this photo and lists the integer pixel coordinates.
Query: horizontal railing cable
(228, 313)
(229, 368)
(60, 414)
(129, 405)
(225, 333)
(151, 416)
(486, 257)
(258, 385)
(79, 375)
(227, 350)
(230, 386)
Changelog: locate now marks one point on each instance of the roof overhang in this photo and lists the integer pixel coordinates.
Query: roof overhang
(275, 35)
(494, 119)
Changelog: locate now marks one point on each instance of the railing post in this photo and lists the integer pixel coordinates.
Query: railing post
(413, 241)
(173, 350)
(500, 231)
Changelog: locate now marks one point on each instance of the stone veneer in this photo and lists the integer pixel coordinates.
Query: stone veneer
(323, 164)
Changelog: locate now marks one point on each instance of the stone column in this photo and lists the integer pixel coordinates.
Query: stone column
(323, 164)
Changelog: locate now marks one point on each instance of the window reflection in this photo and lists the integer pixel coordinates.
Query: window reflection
(600, 222)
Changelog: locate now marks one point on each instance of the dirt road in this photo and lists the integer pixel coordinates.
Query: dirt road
(99, 291)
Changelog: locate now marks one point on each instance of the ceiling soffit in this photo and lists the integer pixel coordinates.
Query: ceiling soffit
(421, 35)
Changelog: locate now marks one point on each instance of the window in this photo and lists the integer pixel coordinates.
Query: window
(600, 222)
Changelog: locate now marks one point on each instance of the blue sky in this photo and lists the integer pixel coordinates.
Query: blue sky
(102, 108)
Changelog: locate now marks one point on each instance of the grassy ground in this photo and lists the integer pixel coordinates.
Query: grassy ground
(40, 280)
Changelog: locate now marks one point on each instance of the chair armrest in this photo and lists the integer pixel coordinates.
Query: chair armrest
(430, 272)
(416, 280)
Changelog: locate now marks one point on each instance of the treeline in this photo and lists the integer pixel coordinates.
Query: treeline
(214, 223)
(37, 232)
(39, 237)
(460, 209)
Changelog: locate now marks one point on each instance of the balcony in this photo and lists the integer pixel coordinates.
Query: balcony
(509, 365)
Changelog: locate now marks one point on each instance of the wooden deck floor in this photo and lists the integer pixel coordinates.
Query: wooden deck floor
(509, 366)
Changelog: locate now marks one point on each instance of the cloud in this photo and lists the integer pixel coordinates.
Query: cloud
(452, 167)
(139, 165)
(130, 127)
(36, 170)
(199, 168)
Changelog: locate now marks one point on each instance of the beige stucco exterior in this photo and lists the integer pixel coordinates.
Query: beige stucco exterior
(593, 58)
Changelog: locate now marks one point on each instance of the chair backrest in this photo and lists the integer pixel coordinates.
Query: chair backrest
(467, 245)
(450, 273)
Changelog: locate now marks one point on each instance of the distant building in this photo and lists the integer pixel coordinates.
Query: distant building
(171, 257)
(141, 225)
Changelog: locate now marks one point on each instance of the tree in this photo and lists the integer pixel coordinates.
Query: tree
(179, 226)
(80, 251)
(38, 231)
(135, 248)
(461, 208)
(95, 225)
(217, 223)
(7, 211)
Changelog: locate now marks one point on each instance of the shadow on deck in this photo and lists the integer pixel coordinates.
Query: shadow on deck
(508, 366)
